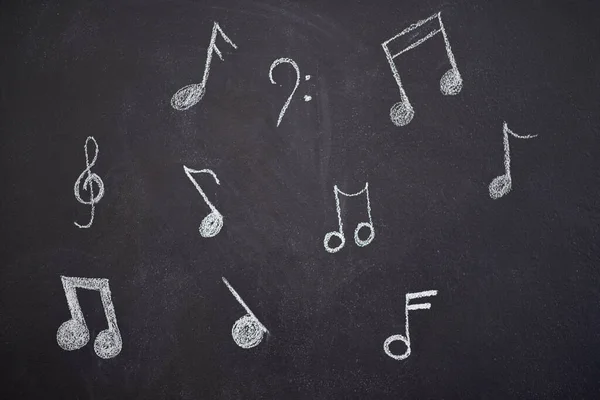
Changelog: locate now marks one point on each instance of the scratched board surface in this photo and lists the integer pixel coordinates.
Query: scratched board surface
(167, 241)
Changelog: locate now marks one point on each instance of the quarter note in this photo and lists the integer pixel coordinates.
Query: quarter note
(190, 95)
(406, 338)
(451, 82)
(502, 184)
(211, 224)
(88, 182)
(340, 232)
(74, 334)
(247, 331)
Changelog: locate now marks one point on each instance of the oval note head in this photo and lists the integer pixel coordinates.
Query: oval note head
(394, 338)
(451, 82)
(72, 335)
(402, 113)
(108, 344)
(187, 96)
(247, 332)
(368, 240)
(328, 239)
(500, 186)
(211, 225)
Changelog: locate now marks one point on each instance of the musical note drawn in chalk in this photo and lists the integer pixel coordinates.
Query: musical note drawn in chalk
(88, 183)
(289, 99)
(406, 339)
(188, 96)
(340, 233)
(74, 334)
(451, 82)
(502, 184)
(211, 224)
(247, 331)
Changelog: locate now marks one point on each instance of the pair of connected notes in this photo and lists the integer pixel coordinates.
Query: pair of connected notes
(74, 333)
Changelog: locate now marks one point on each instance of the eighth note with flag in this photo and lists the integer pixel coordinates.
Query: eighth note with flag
(188, 96)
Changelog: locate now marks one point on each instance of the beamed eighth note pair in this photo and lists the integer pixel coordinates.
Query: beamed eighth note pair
(248, 331)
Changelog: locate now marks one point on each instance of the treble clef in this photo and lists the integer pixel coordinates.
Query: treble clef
(88, 183)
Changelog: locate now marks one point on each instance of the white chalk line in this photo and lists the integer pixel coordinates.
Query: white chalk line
(289, 99)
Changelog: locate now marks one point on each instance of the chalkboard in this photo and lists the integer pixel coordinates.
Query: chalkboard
(168, 241)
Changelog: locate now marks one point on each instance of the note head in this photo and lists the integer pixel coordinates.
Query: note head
(394, 338)
(402, 113)
(500, 186)
(451, 82)
(188, 96)
(72, 335)
(108, 344)
(247, 332)
(211, 225)
(368, 240)
(328, 239)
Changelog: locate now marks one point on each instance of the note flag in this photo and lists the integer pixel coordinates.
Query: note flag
(340, 233)
(190, 95)
(406, 338)
(247, 331)
(74, 334)
(451, 82)
(211, 224)
(502, 184)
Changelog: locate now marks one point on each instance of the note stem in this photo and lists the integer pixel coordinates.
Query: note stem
(506, 153)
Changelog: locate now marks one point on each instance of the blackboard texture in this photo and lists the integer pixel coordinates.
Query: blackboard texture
(516, 314)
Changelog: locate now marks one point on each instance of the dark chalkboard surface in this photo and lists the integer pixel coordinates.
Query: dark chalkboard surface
(512, 278)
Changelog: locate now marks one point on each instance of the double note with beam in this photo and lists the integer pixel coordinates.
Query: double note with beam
(451, 82)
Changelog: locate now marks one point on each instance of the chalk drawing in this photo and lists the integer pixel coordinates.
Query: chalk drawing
(307, 97)
(74, 334)
(340, 233)
(502, 184)
(188, 96)
(211, 224)
(406, 339)
(88, 182)
(289, 99)
(247, 331)
(451, 82)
